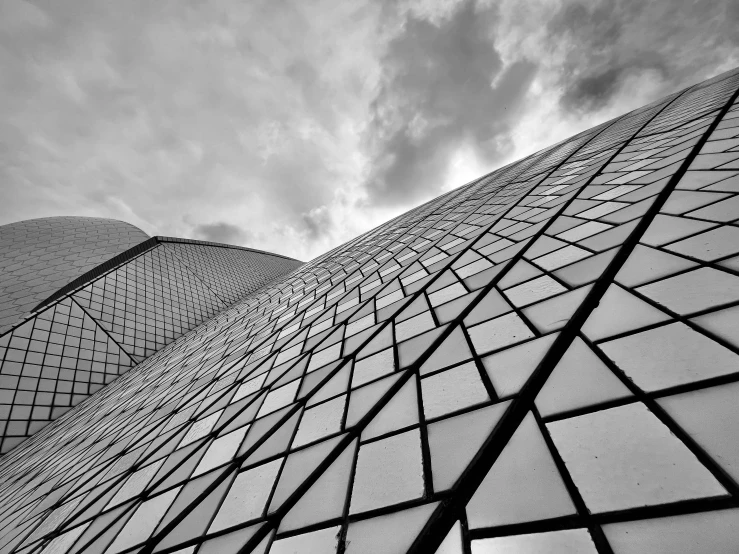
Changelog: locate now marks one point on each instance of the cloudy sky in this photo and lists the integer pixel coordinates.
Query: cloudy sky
(292, 126)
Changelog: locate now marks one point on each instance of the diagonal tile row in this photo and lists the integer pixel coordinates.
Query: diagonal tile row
(554, 314)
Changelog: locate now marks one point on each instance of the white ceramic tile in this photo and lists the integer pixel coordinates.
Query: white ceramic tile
(534, 290)
(626, 458)
(715, 532)
(389, 534)
(569, 541)
(247, 496)
(670, 355)
(498, 333)
(452, 390)
(523, 484)
(388, 471)
(324, 540)
(320, 421)
(711, 417)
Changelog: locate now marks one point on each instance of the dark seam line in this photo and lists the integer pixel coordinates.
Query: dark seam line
(371, 297)
(653, 405)
(477, 360)
(99, 271)
(465, 528)
(266, 283)
(685, 319)
(633, 239)
(225, 303)
(272, 429)
(71, 393)
(128, 255)
(442, 520)
(309, 481)
(685, 507)
(106, 332)
(595, 531)
(223, 245)
(411, 370)
(656, 395)
(413, 295)
(516, 198)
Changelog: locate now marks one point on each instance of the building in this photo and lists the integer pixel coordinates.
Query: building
(85, 299)
(543, 360)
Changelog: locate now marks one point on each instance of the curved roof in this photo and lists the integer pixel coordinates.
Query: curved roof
(39, 256)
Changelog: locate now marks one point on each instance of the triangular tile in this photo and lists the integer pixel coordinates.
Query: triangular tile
(522, 271)
(452, 543)
(230, 543)
(716, 532)
(492, 305)
(277, 442)
(523, 484)
(196, 521)
(694, 291)
(723, 323)
(401, 411)
(616, 468)
(667, 228)
(711, 417)
(338, 384)
(390, 534)
(411, 350)
(648, 264)
(453, 442)
(579, 379)
(452, 350)
(298, 466)
(670, 355)
(510, 369)
(325, 499)
(363, 399)
(618, 312)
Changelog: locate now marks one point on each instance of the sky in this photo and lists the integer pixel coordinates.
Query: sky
(295, 126)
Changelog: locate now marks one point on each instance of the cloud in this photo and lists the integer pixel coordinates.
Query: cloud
(594, 91)
(222, 232)
(612, 44)
(444, 87)
(187, 113)
(303, 124)
(317, 222)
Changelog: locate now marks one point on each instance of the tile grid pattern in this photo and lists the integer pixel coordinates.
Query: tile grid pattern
(51, 363)
(466, 378)
(149, 301)
(569, 351)
(231, 273)
(38, 256)
(54, 360)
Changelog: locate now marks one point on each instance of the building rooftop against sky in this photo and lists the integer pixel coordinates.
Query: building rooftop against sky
(39, 256)
(543, 360)
(87, 322)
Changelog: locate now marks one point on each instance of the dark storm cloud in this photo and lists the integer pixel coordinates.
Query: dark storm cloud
(316, 222)
(610, 42)
(444, 87)
(222, 232)
(594, 90)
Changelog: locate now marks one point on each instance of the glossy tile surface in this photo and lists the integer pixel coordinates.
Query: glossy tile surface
(543, 360)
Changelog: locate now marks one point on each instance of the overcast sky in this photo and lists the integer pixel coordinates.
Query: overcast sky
(294, 126)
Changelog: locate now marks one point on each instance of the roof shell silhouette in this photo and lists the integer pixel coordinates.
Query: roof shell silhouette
(39, 256)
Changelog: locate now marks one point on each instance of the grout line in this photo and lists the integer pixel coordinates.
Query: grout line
(439, 524)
